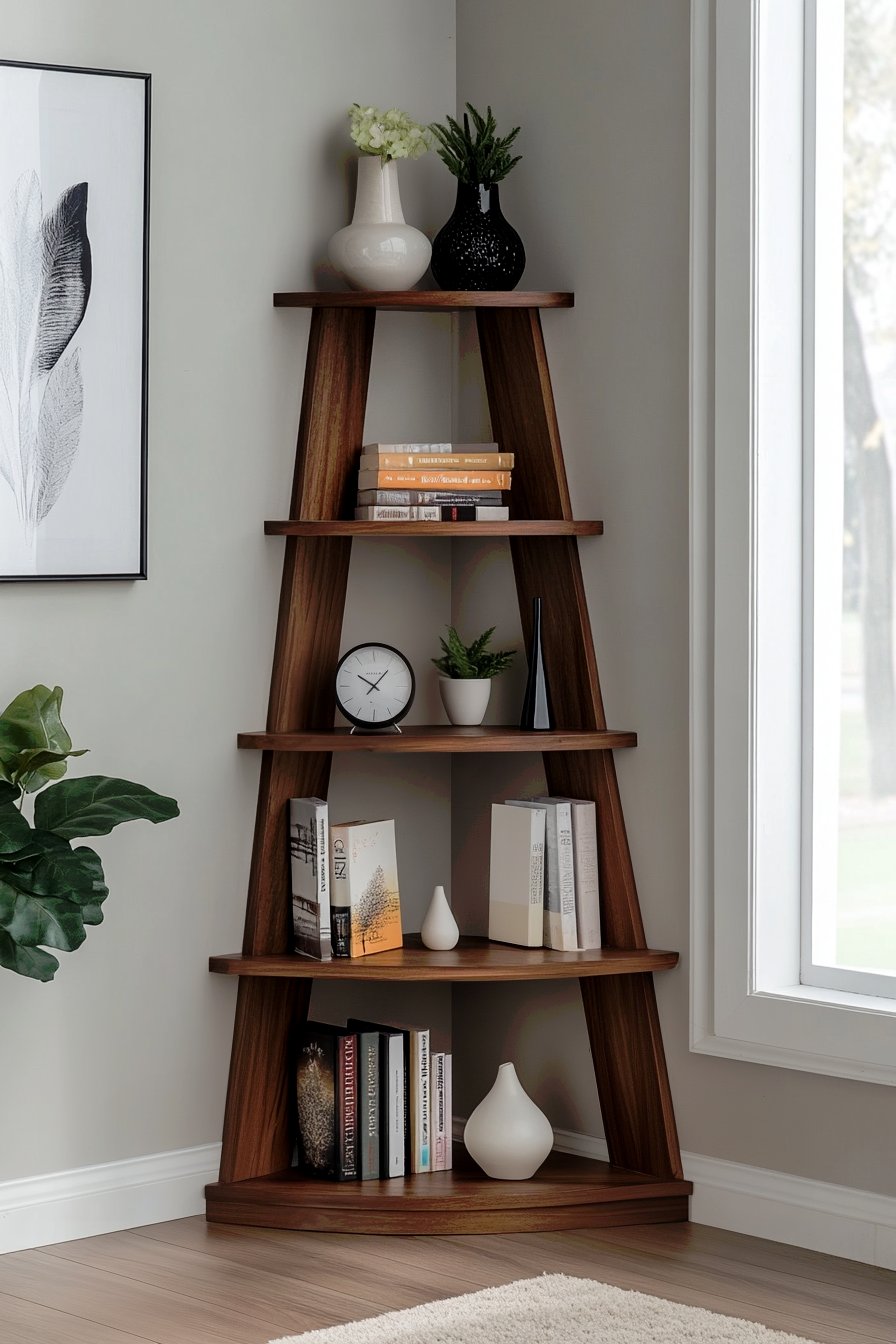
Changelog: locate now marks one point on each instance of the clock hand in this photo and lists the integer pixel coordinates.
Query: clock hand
(371, 684)
(375, 684)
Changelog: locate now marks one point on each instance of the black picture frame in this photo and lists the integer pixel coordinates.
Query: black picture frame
(140, 570)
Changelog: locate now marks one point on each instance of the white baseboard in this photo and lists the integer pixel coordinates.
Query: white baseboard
(66, 1205)
(855, 1224)
(835, 1219)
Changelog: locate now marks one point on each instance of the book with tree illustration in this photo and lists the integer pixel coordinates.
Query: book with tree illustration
(364, 885)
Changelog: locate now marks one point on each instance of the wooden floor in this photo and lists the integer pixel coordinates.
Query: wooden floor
(188, 1283)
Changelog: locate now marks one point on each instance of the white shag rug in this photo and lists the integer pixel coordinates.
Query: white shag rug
(554, 1309)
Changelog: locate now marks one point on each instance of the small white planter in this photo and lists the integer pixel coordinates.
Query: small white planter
(465, 699)
(378, 250)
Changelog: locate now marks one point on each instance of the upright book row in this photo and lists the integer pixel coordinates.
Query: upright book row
(373, 1102)
(543, 874)
(345, 900)
(433, 482)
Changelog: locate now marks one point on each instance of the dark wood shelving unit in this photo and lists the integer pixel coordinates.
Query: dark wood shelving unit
(643, 1181)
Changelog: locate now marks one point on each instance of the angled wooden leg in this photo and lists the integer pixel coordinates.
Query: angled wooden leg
(258, 1123)
(621, 1013)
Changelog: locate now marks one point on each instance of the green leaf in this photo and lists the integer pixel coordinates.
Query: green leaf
(46, 920)
(14, 829)
(30, 961)
(34, 743)
(75, 874)
(8, 793)
(8, 897)
(94, 805)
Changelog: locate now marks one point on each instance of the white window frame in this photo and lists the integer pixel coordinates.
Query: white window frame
(747, 423)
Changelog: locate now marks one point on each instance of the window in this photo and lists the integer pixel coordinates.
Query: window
(793, 849)
(849, 881)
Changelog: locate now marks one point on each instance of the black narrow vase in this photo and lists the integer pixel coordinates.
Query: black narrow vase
(537, 713)
(477, 248)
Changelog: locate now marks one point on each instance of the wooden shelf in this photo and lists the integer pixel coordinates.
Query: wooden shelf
(567, 1192)
(472, 959)
(517, 527)
(440, 738)
(426, 300)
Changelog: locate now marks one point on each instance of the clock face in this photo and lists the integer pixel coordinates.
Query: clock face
(374, 686)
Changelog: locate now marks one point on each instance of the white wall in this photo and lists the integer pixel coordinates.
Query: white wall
(601, 201)
(126, 1052)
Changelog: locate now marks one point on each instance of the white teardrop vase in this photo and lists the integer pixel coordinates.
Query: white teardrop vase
(439, 930)
(378, 250)
(507, 1135)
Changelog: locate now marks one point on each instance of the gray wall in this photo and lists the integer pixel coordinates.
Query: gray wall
(126, 1052)
(601, 200)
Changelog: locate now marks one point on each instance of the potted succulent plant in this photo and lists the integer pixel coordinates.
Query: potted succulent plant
(379, 250)
(467, 670)
(49, 891)
(477, 248)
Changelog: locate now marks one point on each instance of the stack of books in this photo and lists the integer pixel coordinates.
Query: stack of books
(345, 900)
(372, 1101)
(433, 482)
(543, 874)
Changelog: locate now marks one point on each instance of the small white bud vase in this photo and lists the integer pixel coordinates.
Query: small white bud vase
(507, 1135)
(465, 699)
(439, 930)
(378, 250)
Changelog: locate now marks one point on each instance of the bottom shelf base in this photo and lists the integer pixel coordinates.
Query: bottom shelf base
(567, 1192)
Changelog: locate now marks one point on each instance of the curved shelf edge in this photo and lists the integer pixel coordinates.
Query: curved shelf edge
(520, 527)
(567, 1192)
(474, 959)
(425, 300)
(430, 738)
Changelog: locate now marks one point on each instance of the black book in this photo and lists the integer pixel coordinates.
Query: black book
(327, 1101)
(370, 1084)
(395, 1095)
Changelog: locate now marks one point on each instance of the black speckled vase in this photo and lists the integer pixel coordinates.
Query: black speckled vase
(477, 248)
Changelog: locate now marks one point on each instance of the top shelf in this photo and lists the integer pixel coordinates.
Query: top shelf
(426, 300)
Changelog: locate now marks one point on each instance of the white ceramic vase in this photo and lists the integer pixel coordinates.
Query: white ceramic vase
(465, 698)
(439, 930)
(378, 250)
(507, 1135)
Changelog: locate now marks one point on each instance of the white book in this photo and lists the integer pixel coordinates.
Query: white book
(364, 885)
(559, 877)
(429, 448)
(449, 1114)
(438, 1109)
(310, 876)
(516, 875)
(584, 848)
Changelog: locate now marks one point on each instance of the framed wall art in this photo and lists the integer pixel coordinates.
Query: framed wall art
(74, 251)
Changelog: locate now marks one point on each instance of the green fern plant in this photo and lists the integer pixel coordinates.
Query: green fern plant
(461, 661)
(481, 158)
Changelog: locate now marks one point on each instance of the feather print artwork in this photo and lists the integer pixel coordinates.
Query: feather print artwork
(45, 273)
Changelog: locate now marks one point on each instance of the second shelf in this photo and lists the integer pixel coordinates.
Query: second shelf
(441, 737)
(472, 959)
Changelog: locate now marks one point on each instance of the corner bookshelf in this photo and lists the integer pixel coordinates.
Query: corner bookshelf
(642, 1182)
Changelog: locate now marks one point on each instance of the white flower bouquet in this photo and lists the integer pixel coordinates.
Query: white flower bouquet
(391, 135)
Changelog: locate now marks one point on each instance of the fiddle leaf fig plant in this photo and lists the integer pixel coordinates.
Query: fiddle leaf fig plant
(51, 890)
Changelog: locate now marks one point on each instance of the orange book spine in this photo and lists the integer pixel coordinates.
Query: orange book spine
(443, 461)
